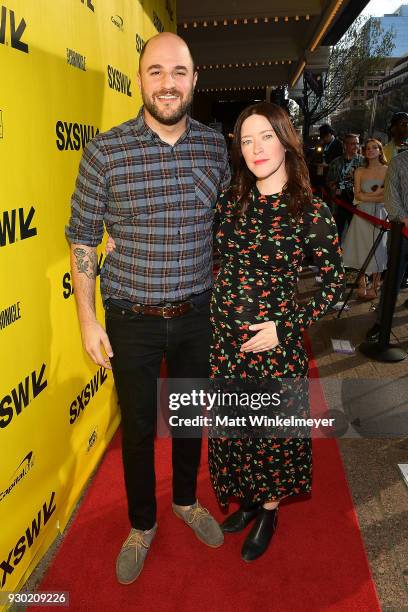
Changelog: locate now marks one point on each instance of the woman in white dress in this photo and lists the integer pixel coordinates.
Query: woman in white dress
(369, 195)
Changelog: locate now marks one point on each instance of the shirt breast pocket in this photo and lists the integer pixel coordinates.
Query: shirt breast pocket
(206, 181)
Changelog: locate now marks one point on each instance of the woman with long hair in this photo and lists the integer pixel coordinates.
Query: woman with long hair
(268, 223)
(369, 193)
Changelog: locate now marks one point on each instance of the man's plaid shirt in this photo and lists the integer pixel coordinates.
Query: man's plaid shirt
(157, 202)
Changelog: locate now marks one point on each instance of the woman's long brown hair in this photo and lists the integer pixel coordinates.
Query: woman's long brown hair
(298, 186)
(381, 157)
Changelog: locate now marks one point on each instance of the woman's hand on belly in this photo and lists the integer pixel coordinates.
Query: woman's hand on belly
(265, 339)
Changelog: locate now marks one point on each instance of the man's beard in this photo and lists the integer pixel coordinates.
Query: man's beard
(164, 117)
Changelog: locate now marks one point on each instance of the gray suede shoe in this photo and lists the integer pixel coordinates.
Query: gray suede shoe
(202, 523)
(131, 558)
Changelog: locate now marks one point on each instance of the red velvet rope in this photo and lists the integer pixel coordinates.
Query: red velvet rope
(364, 215)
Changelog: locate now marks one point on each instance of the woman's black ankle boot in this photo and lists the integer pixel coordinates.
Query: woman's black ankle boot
(240, 519)
(260, 535)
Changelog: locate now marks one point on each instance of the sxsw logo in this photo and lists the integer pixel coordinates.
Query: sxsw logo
(27, 539)
(157, 23)
(89, 4)
(22, 470)
(83, 398)
(117, 21)
(22, 395)
(140, 43)
(16, 31)
(119, 81)
(16, 225)
(73, 136)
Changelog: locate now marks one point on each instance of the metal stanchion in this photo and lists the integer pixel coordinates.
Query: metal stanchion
(383, 350)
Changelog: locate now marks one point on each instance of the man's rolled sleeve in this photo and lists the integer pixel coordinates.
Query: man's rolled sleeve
(88, 203)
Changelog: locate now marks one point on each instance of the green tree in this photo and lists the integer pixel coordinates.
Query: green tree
(351, 60)
(355, 120)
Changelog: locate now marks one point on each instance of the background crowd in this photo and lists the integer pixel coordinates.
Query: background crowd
(351, 176)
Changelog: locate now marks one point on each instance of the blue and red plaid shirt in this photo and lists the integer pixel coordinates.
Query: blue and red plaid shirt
(157, 202)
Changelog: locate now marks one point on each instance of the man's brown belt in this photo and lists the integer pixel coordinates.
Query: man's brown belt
(167, 312)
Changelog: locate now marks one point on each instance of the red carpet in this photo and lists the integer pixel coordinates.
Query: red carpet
(316, 562)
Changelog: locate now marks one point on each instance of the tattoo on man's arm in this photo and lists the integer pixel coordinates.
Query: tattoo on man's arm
(86, 262)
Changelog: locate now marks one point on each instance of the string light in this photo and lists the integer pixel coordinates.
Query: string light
(244, 64)
(246, 20)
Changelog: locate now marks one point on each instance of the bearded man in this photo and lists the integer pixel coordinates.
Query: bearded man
(153, 181)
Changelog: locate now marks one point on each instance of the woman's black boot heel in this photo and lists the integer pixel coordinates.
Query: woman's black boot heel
(260, 535)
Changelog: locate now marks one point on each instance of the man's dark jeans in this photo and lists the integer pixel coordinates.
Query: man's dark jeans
(343, 216)
(139, 343)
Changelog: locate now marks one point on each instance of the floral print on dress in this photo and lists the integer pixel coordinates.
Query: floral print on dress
(261, 257)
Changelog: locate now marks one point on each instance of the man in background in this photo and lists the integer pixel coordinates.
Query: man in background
(340, 179)
(396, 203)
(399, 135)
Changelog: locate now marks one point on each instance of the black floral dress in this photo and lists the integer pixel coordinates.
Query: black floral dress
(260, 262)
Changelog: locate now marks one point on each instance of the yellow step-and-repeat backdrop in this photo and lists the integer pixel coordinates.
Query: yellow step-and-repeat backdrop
(67, 71)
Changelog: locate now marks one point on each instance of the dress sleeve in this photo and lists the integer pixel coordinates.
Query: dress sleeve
(321, 242)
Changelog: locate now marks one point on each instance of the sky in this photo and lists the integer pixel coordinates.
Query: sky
(377, 8)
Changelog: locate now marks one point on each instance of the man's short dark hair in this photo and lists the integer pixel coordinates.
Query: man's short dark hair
(326, 129)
